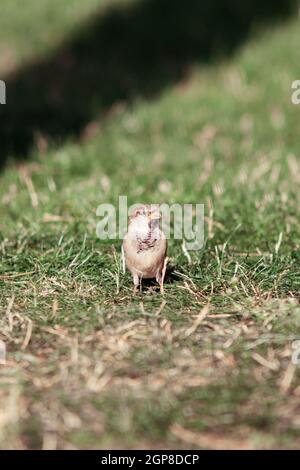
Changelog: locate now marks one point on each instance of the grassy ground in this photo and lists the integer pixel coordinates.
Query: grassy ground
(209, 364)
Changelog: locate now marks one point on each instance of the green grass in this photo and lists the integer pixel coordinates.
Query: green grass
(88, 364)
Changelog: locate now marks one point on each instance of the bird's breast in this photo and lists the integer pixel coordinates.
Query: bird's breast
(145, 258)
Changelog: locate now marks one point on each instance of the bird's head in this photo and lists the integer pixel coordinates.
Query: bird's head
(144, 218)
(146, 213)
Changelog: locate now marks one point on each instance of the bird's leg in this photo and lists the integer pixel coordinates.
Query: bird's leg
(161, 275)
(140, 281)
(136, 282)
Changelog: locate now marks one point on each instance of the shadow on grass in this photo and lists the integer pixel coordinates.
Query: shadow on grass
(173, 275)
(124, 53)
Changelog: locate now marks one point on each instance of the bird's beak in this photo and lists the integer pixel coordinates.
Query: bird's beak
(154, 216)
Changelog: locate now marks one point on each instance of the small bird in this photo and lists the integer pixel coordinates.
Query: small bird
(145, 246)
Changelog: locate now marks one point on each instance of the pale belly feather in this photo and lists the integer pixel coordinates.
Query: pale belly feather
(145, 263)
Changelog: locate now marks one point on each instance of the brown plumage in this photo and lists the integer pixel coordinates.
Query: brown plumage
(145, 246)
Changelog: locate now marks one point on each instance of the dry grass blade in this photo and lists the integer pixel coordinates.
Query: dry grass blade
(209, 440)
(287, 379)
(198, 320)
(9, 314)
(272, 365)
(5, 277)
(28, 334)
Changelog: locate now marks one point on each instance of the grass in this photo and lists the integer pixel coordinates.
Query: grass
(89, 365)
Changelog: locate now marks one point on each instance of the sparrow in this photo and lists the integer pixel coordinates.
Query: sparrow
(145, 246)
